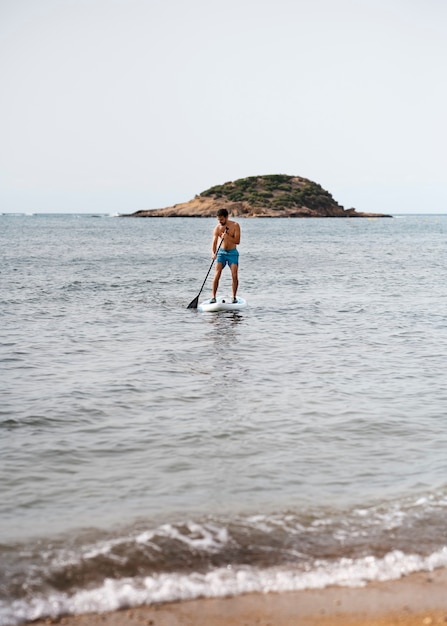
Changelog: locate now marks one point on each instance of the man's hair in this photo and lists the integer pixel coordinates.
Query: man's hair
(222, 213)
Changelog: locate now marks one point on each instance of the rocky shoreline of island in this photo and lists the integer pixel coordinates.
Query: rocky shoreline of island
(275, 195)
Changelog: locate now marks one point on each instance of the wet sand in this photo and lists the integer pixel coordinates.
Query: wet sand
(416, 600)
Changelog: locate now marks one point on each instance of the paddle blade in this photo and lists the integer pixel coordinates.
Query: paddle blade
(194, 303)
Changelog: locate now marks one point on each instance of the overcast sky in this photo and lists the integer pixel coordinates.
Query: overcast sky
(119, 105)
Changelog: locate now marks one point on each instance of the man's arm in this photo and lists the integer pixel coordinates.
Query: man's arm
(214, 243)
(237, 234)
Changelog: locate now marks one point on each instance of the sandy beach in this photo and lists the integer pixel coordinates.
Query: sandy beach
(416, 600)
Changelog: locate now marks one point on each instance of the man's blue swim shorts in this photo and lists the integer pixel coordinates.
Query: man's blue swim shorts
(228, 256)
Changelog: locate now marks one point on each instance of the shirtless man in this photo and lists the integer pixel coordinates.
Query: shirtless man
(230, 234)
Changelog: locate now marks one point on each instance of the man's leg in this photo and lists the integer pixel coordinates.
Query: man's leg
(216, 279)
(235, 278)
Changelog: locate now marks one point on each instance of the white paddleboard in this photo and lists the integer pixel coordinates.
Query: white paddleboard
(224, 303)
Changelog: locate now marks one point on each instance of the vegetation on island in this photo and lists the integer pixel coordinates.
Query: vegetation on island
(274, 191)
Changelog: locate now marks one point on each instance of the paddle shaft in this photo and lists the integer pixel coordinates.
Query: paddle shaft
(194, 303)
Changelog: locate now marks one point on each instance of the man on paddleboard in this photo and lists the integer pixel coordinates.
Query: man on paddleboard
(229, 233)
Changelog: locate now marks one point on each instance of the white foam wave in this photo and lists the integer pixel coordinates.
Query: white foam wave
(226, 581)
(207, 537)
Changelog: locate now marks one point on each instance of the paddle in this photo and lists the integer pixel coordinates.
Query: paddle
(195, 302)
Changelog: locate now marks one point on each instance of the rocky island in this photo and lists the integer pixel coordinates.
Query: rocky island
(274, 195)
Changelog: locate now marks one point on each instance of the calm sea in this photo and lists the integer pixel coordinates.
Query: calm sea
(150, 453)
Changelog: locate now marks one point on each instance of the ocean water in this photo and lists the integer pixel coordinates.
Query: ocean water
(150, 453)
